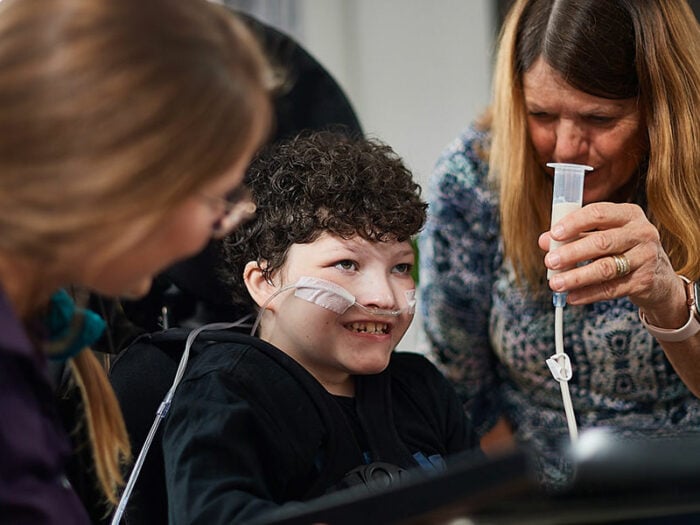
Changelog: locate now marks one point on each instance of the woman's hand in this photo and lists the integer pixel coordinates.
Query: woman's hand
(598, 232)
(602, 230)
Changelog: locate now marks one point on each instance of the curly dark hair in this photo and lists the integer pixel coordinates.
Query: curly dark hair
(320, 182)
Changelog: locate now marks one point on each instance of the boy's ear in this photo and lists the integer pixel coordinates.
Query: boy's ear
(258, 287)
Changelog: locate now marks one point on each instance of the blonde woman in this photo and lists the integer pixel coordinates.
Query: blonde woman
(127, 127)
(611, 84)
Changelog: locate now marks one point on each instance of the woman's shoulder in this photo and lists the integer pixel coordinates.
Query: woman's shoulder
(461, 174)
(467, 154)
(460, 191)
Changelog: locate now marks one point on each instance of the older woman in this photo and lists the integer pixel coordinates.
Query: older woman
(611, 84)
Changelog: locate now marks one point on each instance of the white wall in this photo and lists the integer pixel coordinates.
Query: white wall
(416, 71)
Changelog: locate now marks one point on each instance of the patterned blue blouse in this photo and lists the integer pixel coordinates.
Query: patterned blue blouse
(492, 340)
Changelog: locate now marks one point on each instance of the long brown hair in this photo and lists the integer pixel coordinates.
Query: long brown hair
(649, 49)
(112, 113)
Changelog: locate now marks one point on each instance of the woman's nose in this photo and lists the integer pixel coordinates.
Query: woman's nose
(571, 143)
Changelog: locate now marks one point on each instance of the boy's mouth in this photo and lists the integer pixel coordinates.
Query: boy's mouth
(368, 327)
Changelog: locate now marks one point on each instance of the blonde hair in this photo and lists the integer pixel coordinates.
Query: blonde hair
(120, 110)
(649, 49)
(113, 112)
(105, 426)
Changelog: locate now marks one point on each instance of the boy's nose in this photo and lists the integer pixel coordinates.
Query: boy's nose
(376, 293)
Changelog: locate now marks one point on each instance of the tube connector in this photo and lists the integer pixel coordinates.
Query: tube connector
(559, 299)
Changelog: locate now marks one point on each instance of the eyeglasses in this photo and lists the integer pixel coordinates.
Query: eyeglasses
(235, 209)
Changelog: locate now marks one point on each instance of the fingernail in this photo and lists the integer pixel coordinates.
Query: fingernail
(556, 283)
(558, 231)
(553, 260)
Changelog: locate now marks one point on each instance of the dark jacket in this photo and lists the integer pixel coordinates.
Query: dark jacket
(250, 430)
(34, 447)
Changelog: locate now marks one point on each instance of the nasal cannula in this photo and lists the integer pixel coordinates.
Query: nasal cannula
(567, 196)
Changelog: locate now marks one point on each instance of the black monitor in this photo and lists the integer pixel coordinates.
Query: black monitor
(470, 482)
(617, 480)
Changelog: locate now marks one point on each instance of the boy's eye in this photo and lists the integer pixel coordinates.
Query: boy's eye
(346, 265)
(403, 268)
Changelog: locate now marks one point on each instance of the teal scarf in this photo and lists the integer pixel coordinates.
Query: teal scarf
(70, 329)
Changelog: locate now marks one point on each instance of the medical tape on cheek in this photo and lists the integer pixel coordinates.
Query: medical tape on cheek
(411, 301)
(326, 294)
(337, 299)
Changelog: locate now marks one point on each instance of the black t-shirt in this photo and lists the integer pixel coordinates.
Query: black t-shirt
(348, 406)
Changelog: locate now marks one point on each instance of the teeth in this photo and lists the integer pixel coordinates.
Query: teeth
(370, 328)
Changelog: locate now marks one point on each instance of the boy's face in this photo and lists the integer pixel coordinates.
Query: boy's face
(333, 347)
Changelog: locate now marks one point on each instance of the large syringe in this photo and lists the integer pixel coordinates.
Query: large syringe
(567, 196)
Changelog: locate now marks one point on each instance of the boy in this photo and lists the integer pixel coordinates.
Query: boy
(321, 400)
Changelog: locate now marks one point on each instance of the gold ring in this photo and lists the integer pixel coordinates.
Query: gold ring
(622, 264)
